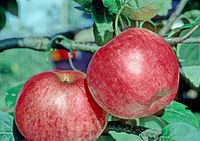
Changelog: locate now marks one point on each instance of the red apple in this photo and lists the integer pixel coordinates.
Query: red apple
(57, 106)
(134, 75)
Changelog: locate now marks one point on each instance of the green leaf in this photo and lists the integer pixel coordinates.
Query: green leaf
(197, 20)
(124, 136)
(191, 15)
(11, 96)
(163, 7)
(6, 127)
(102, 36)
(189, 58)
(2, 18)
(139, 9)
(85, 3)
(152, 122)
(103, 29)
(107, 137)
(180, 132)
(179, 29)
(111, 5)
(177, 112)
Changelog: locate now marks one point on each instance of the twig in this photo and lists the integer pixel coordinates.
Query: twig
(45, 44)
(173, 17)
(191, 40)
(188, 34)
(34, 43)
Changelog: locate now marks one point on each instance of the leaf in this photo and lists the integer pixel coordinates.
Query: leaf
(6, 127)
(189, 58)
(111, 5)
(85, 3)
(180, 132)
(191, 15)
(11, 96)
(177, 112)
(102, 39)
(179, 29)
(2, 18)
(152, 122)
(124, 136)
(163, 7)
(197, 20)
(103, 29)
(142, 10)
(106, 138)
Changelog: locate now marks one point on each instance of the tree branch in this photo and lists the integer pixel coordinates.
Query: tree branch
(34, 43)
(173, 17)
(45, 44)
(191, 40)
(188, 34)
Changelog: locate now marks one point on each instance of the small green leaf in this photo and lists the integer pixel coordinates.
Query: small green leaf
(124, 136)
(191, 15)
(107, 137)
(180, 132)
(2, 18)
(6, 127)
(177, 112)
(152, 122)
(189, 58)
(101, 37)
(11, 95)
(111, 5)
(197, 20)
(179, 29)
(103, 29)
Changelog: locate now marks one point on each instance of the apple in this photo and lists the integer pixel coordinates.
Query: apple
(133, 75)
(57, 106)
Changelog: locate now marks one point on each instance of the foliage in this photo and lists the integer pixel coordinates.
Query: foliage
(108, 13)
(177, 112)
(180, 132)
(110, 18)
(14, 70)
(189, 58)
(6, 128)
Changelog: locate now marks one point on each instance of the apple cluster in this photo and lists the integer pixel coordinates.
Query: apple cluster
(134, 75)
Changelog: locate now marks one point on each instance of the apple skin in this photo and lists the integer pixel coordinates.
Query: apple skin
(134, 75)
(57, 106)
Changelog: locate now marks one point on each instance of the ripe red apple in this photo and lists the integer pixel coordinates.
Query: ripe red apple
(134, 75)
(57, 106)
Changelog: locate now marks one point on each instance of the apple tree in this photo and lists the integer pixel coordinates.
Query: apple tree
(145, 54)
